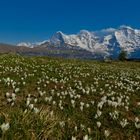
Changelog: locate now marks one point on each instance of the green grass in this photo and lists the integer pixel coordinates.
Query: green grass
(52, 84)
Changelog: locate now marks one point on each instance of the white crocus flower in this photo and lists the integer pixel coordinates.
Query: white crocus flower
(27, 102)
(17, 90)
(89, 130)
(136, 119)
(31, 106)
(7, 94)
(98, 114)
(13, 96)
(36, 110)
(35, 100)
(73, 138)
(73, 103)
(98, 124)
(137, 125)
(9, 100)
(85, 137)
(4, 127)
(76, 128)
(107, 133)
(123, 123)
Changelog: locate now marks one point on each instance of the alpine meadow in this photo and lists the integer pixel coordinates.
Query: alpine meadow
(57, 98)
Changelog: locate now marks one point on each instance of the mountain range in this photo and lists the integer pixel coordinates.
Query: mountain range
(93, 45)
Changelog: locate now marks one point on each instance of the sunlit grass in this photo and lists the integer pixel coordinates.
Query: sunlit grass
(55, 98)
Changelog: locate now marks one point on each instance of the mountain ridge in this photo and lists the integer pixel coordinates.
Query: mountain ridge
(103, 43)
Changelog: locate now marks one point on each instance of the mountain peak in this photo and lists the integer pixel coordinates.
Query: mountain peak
(57, 39)
(59, 33)
(84, 31)
(26, 44)
(125, 27)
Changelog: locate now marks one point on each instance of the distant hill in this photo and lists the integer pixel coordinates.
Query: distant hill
(6, 48)
(46, 51)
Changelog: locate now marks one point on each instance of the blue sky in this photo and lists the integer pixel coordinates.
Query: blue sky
(37, 20)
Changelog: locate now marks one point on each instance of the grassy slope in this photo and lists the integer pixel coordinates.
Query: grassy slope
(64, 81)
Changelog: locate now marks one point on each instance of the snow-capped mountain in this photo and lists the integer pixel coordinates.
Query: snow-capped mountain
(32, 45)
(106, 42)
(28, 44)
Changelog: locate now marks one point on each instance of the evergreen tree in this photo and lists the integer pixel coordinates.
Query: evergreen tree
(122, 55)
